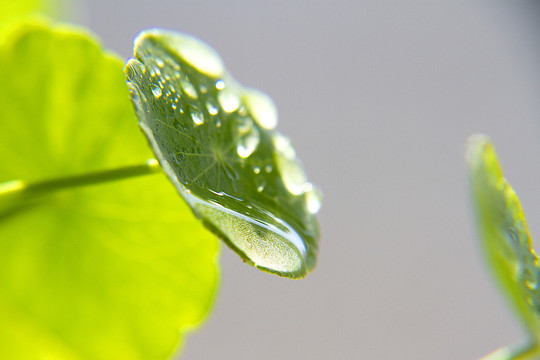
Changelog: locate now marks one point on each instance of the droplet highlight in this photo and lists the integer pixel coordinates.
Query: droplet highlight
(156, 90)
(212, 110)
(220, 84)
(248, 140)
(197, 117)
(292, 173)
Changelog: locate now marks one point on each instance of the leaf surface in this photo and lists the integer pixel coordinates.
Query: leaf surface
(504, 232)
(216, 141)
(12, 9)
(112, 271)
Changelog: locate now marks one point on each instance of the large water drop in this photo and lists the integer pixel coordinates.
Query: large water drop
(188, 88)
(291, 170)
(248, 140)
(195, 52)
(156, 90)
(313, 198)
(229, 100)
(197, 117)
(261, 107)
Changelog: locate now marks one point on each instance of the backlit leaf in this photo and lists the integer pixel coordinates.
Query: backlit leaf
(111, 271)
(12, 9)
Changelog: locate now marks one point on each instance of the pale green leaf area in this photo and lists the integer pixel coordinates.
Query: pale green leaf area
(505, 237)
(529, 351)
(12, 9)
(217, 142)
(111, 271)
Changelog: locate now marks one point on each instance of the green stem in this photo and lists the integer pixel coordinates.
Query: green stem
(25, 189)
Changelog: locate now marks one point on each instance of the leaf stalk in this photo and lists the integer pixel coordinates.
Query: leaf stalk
(28, 189)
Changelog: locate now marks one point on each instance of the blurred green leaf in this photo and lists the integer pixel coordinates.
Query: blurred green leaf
(11, 9)
(529, 351)
(111, 271)
(216, 141)
(504, 232)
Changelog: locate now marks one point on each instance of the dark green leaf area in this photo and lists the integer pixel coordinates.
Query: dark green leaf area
(216, 141)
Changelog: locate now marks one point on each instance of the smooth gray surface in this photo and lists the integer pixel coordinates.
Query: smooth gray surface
(379, 97)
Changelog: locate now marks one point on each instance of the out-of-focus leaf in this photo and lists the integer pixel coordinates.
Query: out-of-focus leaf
(504, 232)
(112, 271)
(216, 141)
(11, 9)
(529, 351)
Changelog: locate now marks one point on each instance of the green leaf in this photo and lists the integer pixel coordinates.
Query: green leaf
(216, 141)
(112, 271)
(528, 351)
(11, 9)
(504, 232)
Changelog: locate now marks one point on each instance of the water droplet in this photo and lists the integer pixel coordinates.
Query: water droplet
(260, 188)
(137, 68)
(218, 123)
(256, 170)
(229, 100)
(291, 170)
(188, 88)
(533, 285)
(261, 107)
(220, 84)
(313, 198)
(203, 89)
(173, 105)
(157, 71)
(156, 90)
(247, 145)
(283, 145)
(212, 110)
(197, 117)
(248, 140)
(195, 52)
(160, 63)
(268, 168)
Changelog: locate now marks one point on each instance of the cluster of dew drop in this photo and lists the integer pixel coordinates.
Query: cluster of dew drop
(527, 266)
(524, 262)
(253, 105)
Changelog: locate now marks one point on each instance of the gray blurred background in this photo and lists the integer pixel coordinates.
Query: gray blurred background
(379, 97)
